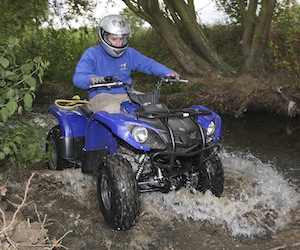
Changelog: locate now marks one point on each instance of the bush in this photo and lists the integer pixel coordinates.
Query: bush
(283, 52)
(18, 139)
(61, 47)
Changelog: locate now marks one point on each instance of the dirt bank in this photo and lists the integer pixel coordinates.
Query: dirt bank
(237, 95)
(225, 95)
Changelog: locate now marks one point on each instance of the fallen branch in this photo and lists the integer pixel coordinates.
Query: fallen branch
(6, 228)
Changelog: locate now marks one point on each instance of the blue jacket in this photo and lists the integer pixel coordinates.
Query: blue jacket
(96, 62)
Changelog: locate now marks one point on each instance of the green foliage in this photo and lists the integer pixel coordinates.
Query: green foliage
(231, 8)
(284, 46)
(18, 15)
(22, 141)
(61, 47)
(135, 22)
(188, 101)
(227, 39)
(18, 83)
(150, 43)
(172, 88)
(195, 87)
(36, 25)
(66, 12)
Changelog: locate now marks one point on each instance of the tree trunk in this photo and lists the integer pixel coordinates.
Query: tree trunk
(256, 33)
(255, 61)
(192, 30)
(171, 28)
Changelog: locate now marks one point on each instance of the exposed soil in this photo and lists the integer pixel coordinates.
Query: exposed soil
(236, 95)
(225, 95)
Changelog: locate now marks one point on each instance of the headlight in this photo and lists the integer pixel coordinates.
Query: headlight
(211, 128)
(140, 134)
(146, 136)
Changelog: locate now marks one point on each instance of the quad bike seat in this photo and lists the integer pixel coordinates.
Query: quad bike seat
(84, 108)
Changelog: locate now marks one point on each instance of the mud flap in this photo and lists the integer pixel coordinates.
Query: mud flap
(92, 160)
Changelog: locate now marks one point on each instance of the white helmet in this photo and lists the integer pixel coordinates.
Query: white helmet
(116, 25)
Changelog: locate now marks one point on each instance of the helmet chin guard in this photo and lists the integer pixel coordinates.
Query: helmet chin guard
(114, 25)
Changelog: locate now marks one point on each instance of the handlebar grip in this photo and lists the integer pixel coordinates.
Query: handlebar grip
(173, 79)
(106, 84)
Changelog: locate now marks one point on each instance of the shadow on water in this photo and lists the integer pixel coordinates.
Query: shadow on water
(258, 210)
(271, 138)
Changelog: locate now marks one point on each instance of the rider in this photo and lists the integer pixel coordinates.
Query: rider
(113, 57)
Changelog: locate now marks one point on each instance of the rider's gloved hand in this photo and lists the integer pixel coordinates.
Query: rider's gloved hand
(173, 74)
(97, 79)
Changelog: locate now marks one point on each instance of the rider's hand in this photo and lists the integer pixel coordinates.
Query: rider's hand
(173, 74)
(97, 79)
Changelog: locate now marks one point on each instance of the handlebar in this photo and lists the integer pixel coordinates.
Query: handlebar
(168, 79)
(172, 79)
(106, 84)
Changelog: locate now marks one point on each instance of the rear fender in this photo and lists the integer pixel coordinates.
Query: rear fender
(72, 122)
(104, 128)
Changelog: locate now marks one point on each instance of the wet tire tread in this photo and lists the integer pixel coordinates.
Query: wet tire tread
(125, 197)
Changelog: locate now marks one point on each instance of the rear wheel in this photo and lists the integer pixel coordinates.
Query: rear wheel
(55, 162)
(211, 176)
(118, 193)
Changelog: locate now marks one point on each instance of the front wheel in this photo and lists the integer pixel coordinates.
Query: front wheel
(118, 193)
(211, 176)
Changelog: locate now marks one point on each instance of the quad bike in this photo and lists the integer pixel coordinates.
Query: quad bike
(146, 147)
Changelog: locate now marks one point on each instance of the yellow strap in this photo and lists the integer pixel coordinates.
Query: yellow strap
(70, 104)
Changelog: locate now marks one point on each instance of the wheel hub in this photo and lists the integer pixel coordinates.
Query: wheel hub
(105, 194)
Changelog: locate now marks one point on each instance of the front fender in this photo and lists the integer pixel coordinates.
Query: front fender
(204, 120)
(103, 128)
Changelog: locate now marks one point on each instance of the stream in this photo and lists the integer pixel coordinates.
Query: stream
(258, 210)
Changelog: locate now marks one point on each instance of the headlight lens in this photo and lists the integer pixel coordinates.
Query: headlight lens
(140, 134)
(211, 128)
(146, 136)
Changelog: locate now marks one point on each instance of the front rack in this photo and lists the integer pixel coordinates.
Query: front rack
(188, 112)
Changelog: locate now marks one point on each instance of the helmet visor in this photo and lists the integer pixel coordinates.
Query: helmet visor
(116, 41)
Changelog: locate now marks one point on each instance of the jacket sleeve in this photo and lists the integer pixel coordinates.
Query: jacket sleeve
(84, 71)
(148, 65)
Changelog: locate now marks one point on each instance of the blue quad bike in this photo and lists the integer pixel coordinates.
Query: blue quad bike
(146, 147)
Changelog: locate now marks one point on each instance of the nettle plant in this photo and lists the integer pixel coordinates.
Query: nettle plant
(19, 138)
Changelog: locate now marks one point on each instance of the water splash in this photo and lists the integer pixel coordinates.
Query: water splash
(71, 182)
(257, 199)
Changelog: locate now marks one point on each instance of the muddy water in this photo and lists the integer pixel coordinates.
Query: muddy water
(259, 208)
